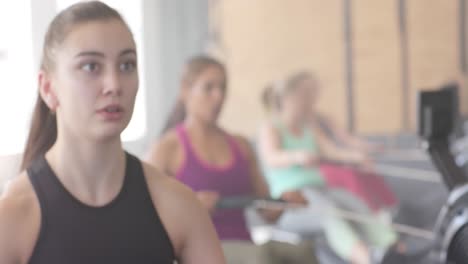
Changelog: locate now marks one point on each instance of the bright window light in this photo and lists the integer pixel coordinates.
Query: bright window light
(18, 83)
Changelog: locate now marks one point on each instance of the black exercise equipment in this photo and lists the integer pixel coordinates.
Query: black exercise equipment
(438, 116)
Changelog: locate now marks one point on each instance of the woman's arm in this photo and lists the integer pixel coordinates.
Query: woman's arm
(260, 187)
(329, 151)
(350, 140)
(201, 243)
(19, 221)
(259, 184)
(163, 154)
(273, 154)
(188, 224)
(9, 252)
(166, 155)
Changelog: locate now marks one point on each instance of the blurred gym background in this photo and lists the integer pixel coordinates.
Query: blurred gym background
(371, 57)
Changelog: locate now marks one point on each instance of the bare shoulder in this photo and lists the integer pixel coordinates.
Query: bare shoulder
(170, 139)
(164, 145)
(166, 152)
(176, 204)
(164, 186)
(187, 223)
(19, 197)
(19, 219)
(245, 145)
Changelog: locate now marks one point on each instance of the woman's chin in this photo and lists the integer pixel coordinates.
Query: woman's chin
(109, 133)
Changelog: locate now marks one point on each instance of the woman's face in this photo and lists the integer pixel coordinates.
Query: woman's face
(296, 103)
(94, 80)
(204, 99)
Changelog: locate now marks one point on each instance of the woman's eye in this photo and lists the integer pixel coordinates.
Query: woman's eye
(127, 66)
(90, 67)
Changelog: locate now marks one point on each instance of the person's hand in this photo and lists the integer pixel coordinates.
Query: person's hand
(271, 215)
(366, 164)
(374, 148)
(306, 158)
(208, 199)
(295, 197)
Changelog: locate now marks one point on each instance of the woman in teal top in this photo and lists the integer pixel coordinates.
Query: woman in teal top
(290, 150)
(288, 178)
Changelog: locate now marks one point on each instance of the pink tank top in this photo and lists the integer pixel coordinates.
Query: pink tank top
(230, 180)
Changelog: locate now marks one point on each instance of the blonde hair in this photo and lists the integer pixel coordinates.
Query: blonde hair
(274, 93)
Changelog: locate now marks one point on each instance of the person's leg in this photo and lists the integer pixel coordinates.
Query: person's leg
(304, 220)
(377, 234)
(360, 254)
(340, 235)
(345, 241)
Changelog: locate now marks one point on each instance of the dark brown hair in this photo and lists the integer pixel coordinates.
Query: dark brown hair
(43, 131)
(193, 68)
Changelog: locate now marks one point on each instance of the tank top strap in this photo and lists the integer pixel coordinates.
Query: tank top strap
(185, 141)
(235, 147)
(287, 135)
(191, 160)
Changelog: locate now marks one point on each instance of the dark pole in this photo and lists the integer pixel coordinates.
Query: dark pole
(405, 87)
(462, 34)
(348, 40)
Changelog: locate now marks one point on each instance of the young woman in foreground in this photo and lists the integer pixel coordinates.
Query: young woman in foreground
(81, 198)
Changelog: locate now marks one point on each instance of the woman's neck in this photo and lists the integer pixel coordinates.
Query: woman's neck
(291, 124)
(92, 171)
(200, 129)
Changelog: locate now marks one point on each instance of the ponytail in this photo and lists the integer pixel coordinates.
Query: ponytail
(43, 131)
(42, 135)
(270, 99)
(176, 117)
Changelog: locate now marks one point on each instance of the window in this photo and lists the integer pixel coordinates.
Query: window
(17, 80)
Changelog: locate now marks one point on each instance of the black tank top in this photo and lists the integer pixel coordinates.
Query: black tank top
(127, 230)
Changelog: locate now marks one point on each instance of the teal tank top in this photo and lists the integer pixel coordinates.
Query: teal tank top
(282, 179)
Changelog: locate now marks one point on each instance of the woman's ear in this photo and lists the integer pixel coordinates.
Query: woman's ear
(48, 94)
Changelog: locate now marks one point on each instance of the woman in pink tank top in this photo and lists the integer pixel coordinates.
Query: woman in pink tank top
(216, 164)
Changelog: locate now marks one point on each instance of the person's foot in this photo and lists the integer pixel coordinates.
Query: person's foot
(360, 254)
(396, 254)
(401, 247)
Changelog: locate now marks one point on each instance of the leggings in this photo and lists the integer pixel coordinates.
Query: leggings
(342, 235)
